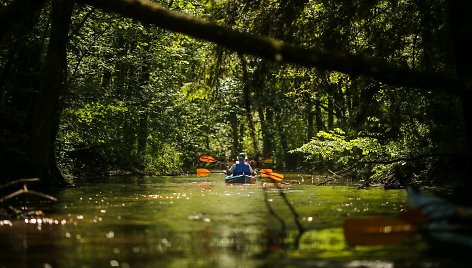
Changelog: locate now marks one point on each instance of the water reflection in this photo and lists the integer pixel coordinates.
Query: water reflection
(186, 222)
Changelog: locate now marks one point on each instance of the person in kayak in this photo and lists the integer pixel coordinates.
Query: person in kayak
(241, 167)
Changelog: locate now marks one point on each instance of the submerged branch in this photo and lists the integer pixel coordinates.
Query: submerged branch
(325, 181)
(25, 190)
(18, 181)
(334, 173)
(336, 176)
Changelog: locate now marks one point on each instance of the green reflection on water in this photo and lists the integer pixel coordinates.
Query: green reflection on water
(188, 222)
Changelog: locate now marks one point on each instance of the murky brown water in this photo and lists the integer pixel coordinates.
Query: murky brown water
(201, 222)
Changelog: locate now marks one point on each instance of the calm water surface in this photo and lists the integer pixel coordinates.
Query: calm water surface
(201, 222)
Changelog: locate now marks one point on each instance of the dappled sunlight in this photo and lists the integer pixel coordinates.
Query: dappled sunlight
(210, 223)
(119, 118)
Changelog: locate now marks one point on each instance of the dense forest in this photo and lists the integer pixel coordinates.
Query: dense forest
(366, 88)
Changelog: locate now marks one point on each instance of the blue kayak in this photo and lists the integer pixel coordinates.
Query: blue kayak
(240, 179)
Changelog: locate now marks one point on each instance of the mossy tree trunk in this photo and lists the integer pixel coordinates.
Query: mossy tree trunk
(47, 109)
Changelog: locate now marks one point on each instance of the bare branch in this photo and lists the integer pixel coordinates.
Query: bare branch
(325, 181)
(18, 181)
(26, 191)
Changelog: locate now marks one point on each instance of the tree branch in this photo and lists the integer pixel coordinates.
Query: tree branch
(18, 181)
(82, 23)
(25, 190)
(276, 50)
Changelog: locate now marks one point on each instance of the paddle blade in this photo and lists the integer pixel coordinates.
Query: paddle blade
(275, 176)
(377, 230)
(264, 172)
(207, 159)
(413, 216)
(203, 172)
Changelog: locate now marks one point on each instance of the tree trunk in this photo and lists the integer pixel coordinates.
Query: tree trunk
(142, 140)
(265, 117)
(319, 116)
(461, 25)
(47, 109)
(143, 130)
(310, 119)
(264, 108)
(283, 155)
(330, 112)
(234, 135)
(123, 85)
(324, 59)
(247, 103)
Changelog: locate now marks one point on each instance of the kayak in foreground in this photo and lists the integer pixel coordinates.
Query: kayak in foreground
(448, 227)
(240, 179)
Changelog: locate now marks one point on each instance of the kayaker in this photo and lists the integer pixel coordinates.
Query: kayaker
(241, 167)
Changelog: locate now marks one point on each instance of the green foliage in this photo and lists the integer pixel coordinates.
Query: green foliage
(166, 160)
(336, 146)
(156, 100)
(194, 91)
(127, 99)
(142, 98)
(97, 111)
(376, 160)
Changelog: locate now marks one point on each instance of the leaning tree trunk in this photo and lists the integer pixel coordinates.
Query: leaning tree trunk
(47, 109)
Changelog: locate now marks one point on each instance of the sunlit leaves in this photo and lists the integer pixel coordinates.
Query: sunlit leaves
(95, 111)
(195, 91)
(189, 90)
(335, 145)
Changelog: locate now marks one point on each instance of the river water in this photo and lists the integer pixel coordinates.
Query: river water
(190, 221)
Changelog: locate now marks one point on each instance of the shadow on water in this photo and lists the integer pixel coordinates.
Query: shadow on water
(194, 222)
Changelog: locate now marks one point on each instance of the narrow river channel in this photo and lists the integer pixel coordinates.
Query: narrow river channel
(190, 221)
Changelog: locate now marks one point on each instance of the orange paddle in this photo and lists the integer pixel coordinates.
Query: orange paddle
(207, 159)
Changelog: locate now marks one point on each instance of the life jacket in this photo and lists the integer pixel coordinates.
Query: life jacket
(241, 168)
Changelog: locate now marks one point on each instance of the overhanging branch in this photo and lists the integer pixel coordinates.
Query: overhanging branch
(276, 50)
